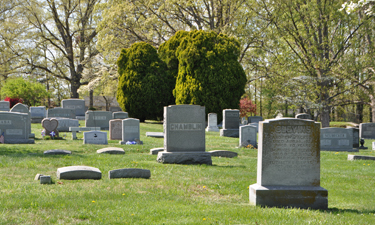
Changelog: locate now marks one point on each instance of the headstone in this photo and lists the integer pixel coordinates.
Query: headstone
(111, 150)
(304, 116)
(248, 136)
(15, 128)
(288, 173)
(50, 125)
(244, 121)
(254, 125)
(98, 119)
(4, 106)
(231, 123)
(279, 115)
(373, 146)
(37, 114)
(355, 136)
(367, 130)
(129, 173)
(155, 134)
(184, 135)
(155, 151)
(336, 139)
(78, 105)
(115, 129)
(57, 152)
(78, 172)
(65, 123)
(60, 112)
(21, 108)
(74, 130)
(120, 115)
(254, 119)
(212, 122)
(45, 180)
(223, 153)
(130, 130)
(95, 137)
(360, 157)
(115, 109)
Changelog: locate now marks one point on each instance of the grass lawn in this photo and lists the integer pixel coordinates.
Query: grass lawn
(175, 194)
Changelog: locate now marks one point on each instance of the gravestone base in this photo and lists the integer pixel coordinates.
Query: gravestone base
(362, 148)
(214, 129)
(230, 133)
(289, 196)
(341, 150)
(185, 157)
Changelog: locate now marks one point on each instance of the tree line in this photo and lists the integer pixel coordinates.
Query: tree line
(310, 55)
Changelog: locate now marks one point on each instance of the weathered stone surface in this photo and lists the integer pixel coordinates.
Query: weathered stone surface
(313, 197)
(130, 130)
(65, 123)
(248, 136)
(212, 122)
(60, 112)
(45, 179)
(37, 176)
(129, 173)
(37, 114)
(155, 151)
(4, 106)
(111, 150)
(336, 139)
(78, 105)
(288, 173)
(120, 115)
(155, 134)
(115, 129)
(231, 123)
(185, 157)
(254, 119)
(95, 137)
(355, 136)
(57, 152)
(362, 157)
(15, 127)
(223, 153)
(367, 130)
(78, 172)
(21, 108)
(98, 119)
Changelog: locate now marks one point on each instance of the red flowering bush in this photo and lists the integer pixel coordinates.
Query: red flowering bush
(13, 101)
(247, 107)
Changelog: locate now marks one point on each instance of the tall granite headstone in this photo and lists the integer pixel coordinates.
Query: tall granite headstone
(367, 130)
(115, 129)
(336, 139)
(98, 119)
(4, 106)
(184, 135)
(248, 136)
(130, 130)
(78, 105)
(212, 122)
(37, 113)
(355, 136)
(231, 123)
(288, 173)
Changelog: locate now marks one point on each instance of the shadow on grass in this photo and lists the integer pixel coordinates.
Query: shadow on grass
(229, 166)
(13, 152)
(338, 211)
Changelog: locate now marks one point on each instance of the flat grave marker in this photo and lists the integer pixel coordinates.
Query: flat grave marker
(95, 137)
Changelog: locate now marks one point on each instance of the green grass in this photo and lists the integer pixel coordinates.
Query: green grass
(175, 194)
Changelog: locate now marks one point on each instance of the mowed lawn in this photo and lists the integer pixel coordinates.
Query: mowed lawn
(175, 194)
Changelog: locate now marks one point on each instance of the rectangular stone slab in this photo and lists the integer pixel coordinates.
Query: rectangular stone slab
(129, 173)
(78, 172)
(363, 157)
(184, 157)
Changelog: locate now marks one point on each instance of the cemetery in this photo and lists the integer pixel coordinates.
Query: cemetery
(187, 112)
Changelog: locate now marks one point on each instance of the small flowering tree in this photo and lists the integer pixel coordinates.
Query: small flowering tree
(247, 107)
(13, 101)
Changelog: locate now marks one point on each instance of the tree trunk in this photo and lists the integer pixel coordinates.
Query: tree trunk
(91, 101)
